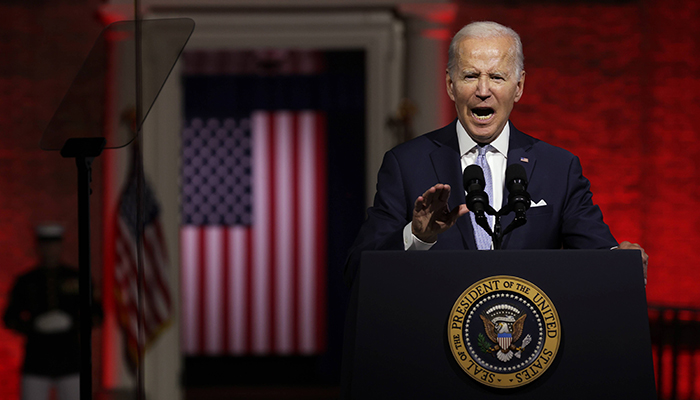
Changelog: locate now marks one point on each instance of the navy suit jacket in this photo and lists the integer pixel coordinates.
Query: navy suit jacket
(568, 220)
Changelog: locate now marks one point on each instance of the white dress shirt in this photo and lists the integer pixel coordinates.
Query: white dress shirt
(497, 160)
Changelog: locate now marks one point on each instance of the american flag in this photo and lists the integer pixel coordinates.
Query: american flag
(253, 237)
(157, 304)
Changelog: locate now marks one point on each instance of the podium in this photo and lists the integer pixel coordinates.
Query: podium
(400, 315)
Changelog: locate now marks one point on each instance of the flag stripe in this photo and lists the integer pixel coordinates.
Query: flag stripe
(270, 230)
(156, 304)
(214, 296)
(238, 321)
(282, 132)
(158, 241)
(294, 245)
(321, 231)
(261, 216)
(224, 282)
(127, 247)
(185, 315)
(125, 292)
(202, 290)
(308, 234)
(249, 294)
(190, 284)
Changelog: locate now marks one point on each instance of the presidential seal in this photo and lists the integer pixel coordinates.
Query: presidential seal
(504, 331)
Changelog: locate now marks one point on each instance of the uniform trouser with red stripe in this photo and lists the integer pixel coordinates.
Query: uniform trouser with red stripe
(36, 387)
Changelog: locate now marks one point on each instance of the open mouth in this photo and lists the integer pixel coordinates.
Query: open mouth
(482, 113)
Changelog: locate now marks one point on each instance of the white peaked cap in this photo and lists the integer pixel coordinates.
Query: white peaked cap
(49, 230)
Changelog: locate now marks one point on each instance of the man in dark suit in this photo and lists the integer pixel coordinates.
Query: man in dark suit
(420, 196)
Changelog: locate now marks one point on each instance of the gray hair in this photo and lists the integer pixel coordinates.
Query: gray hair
(486, 29)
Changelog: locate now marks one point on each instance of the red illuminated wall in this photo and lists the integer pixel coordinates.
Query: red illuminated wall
(41, 47)
(619, 85)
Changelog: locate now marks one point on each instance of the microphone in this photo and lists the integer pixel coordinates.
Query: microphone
(516, 183)
(474, 183)
(477, 199)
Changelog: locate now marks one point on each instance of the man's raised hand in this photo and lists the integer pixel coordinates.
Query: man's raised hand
(432, 215)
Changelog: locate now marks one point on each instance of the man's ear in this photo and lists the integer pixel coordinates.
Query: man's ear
(450, 85)
(521, 87)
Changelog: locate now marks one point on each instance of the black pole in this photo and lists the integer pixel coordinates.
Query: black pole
(85, 281)
(141, 336)
(140, 348)
(84, 150)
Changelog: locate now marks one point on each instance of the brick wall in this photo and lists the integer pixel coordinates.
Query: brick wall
(618, 84)
(42, 44)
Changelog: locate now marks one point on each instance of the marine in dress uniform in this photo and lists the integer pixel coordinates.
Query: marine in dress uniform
(44, 307)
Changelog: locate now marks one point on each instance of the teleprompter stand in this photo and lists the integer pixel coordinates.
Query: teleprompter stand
(402, 302)
(84, 150)
(116, 76)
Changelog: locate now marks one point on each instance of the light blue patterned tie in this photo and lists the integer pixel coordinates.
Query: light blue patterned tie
(483, 239)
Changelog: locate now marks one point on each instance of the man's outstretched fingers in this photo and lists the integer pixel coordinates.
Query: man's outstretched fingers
(444, 193)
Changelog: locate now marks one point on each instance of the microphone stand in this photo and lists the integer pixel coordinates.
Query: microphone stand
(478, 201)
(497, 233)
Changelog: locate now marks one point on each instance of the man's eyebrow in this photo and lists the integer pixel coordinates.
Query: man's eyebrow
(502, 74)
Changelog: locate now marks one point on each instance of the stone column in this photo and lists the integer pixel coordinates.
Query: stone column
(428, 34)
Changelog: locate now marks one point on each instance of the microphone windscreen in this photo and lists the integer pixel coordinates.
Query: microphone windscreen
(473, 174)
(515, 172)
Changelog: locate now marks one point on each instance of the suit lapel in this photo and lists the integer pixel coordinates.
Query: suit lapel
(447, 165)
(519, 147)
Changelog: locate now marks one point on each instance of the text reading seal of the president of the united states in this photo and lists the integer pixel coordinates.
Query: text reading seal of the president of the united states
(504, 331)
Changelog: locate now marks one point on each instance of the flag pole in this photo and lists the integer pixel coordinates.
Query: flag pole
(138, 160)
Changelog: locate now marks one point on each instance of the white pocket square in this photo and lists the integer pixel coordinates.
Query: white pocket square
(540, 203)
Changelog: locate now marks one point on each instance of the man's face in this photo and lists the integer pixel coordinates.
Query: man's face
(50, 252)
(484, 86)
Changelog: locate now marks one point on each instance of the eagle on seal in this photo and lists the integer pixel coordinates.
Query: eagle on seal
(499, 333)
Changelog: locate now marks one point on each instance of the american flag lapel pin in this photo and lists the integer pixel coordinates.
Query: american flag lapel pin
(524, 159)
